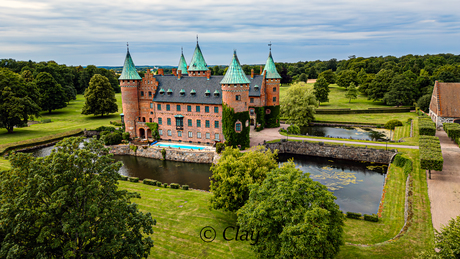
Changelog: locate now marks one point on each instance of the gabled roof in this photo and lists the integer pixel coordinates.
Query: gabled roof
(270, 67)
(197, 63)
(445, 100)
(129, 69)
(235, 74)
(182, 64)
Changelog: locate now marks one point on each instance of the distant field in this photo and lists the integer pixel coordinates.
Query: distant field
(66, 119)
(375, 118)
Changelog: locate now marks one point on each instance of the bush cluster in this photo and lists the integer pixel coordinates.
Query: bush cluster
(184, 187)
(105, 128)
(123, 178)
(353, 215)
(149, 182)
(220, 147)
(133, 179)
(426, 126)
(392, 124)
(293, 129)
(453, 131)
(116, 123)
(113, 138)
(430, 153)
(174, 186)
(125, 135)
(373, 218)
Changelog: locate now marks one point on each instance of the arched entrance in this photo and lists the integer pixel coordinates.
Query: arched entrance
(252, 122)
(457, 121)
(141, 133)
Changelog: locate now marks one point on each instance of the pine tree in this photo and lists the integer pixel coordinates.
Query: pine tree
(321, 90)
(100, 97)
(352, 92)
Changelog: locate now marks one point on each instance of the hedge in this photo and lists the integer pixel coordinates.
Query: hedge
(430, 153)
(426, 126)
(369, 110)
(354, 215)
(229, 119)
(272, 119)
(123, 178)
(105, 128)
(133, 179)
(452, 130)
(373, 218)
(184, 187)
(174, 186)
(149, 182)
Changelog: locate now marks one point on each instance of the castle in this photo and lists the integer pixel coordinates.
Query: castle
(191, 105)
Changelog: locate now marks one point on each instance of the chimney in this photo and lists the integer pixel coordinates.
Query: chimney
(161, 72)
(174, 71)
(252, 73)
(208, 74)
(261, 69)
(179, 75)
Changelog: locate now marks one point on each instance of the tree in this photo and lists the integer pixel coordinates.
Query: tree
(392, 124)
(234, 172)
(402, 91)
(352, 92)
(292, 216)
(52, 95)
(424, 102)
(346, 77)
(447, 241)
(100, 97)
(329, 76)
(379, 86)
(312, 73)
(18, 100)
(321, 90)
(361, 76)
(68, 205)
(303, 77)
(298, 105)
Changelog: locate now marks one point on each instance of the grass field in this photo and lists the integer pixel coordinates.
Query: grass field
(63, 120)
(374, 118)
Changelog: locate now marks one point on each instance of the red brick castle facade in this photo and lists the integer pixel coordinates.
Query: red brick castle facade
(188, 104)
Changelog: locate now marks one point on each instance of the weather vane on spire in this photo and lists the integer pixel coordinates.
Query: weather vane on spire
(127, 46)
(270, 45)
(197, 39)
(182, 50)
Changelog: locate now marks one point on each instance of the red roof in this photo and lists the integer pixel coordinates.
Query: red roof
(445, 100)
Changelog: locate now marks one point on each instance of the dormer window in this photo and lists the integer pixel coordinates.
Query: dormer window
(162, 91)
(193, 92)
(256, 87)
(182, 92)
(216, 93)
(207, 93)
(170, 91)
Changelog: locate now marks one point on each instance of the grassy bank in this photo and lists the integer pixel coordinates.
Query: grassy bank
(374, 118)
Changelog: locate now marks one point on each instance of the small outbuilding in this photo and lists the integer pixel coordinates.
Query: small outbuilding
(445, 103)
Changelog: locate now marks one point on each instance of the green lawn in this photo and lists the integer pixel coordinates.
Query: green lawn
(337, 99)
(373, 118)
(63, 120)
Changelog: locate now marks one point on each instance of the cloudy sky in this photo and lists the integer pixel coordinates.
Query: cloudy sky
(83, 32)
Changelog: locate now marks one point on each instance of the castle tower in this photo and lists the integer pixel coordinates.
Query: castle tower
(182, 64)
(198, 66)
(129, 83)
(235, 86)
(272, 82)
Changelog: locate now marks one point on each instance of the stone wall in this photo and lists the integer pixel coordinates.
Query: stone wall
(334, 151)
(172, 154)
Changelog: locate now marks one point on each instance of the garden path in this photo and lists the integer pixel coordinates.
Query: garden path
(444, 186)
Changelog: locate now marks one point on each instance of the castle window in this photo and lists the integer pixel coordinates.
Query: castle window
(169, 121)
(160, 132)
(190, 122)
(179, 133)
(198, 134)
(256, 87)
(150, 94)
(151, 106)
(238, 97)
(169, 133)
(182, 92)
(274, 89)
(160, 121)
(189, 108)
(143, 119)
(198, 123)
(168, 107)
(216, 136)
(274, 99)
(207, 93)
(159, 107)
(142, 93)
(190, 134)
(268, 111)
(198, 109)
(169, 92)
(238, 127)
(151, 112)
(251, 111)
(216, 109)
(193, 92)
(162, 91)
(247, 123)
(178, 108)
(216, 124)
(251, 100)
(207, 124)
(216, 93)
(208, 135)
(150, 119)
(206, 109)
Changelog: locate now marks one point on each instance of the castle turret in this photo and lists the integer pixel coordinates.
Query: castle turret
(235, 86)
(272, 81)
(129, 83)
(197, 66)
(182, 64)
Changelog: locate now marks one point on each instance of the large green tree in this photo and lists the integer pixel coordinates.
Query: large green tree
(68, 205)
(447, 242)
(52, 95)
(379, 86)
(292, 216)
(234, 172)
(298, 105)
(18, 100)
(328, 75)
(100, 97)
(346, 77)
(402, 91)
(321, 90)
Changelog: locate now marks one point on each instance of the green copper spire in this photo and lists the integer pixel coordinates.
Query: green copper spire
(270, 66)
(129, 70)
(182, 63)
(235, 74)
(197, 63)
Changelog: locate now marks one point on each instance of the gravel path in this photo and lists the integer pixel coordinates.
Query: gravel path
(272, 134)
(444, 187)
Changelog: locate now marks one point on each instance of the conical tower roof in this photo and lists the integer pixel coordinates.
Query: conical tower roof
(198, 63)
(235, 74)
(129, 69)
(270, 67)
(182, 64)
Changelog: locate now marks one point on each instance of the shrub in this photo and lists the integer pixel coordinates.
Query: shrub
(149, 182)
(184, 187)
(133, 179)
(158, 184)
(426, 126)
(133, 147)
(373, 218)
(163, 153)
(283, 130)
(165, 185)
(123, 178)
(430, 154)
(354, 215)
(293, 129)
(116, 123)
(113, 138)
(46, 120)
(407, 167)
(452, 130)
(125, 135)
(105, 128)
(392, 124)
(220, 147)
(174, 186)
